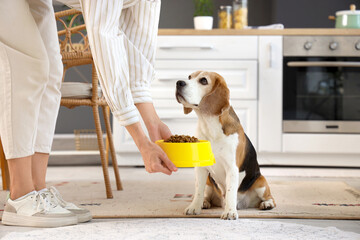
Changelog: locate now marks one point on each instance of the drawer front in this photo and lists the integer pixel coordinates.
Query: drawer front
(207, 47)
(240, 76)
(179, 123)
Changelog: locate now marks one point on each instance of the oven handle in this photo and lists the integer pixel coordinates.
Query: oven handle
(187, 47)
(323, 64)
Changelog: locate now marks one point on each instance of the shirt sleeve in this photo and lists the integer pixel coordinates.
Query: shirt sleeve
(140, 24)
(108, 47)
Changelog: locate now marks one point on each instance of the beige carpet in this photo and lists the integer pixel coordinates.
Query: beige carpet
(141, 198)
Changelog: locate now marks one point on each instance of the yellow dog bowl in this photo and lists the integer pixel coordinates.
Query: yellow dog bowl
(197, 154)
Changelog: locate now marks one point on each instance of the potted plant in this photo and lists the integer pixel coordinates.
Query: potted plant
(203, 16)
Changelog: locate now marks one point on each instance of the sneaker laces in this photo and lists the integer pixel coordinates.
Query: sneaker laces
(42, 203)
(57, 196)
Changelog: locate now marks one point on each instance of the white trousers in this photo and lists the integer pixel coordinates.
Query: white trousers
(122, 36)
(30, 76)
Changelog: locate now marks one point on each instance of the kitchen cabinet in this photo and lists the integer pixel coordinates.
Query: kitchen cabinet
(270, 93)
(253, 68)
(233, 57)
(207, 47)
(240, 76)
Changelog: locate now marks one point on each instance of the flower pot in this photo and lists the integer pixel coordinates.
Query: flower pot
(203, 22)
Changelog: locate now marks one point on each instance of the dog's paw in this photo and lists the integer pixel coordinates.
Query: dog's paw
(206, 204)
(230, 215)
(267, 205)
(192, 210)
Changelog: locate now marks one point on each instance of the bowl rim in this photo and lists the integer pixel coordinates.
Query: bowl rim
(162, 141)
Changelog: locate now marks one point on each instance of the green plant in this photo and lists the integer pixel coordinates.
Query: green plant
(204, 8)
(78, 21)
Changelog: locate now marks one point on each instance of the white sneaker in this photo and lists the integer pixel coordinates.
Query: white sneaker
(35, 210)
(82, 214)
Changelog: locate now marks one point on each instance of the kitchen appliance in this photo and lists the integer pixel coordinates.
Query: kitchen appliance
(347, 19)
(321, 84)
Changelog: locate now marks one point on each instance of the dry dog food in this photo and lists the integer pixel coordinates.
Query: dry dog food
(181, 139)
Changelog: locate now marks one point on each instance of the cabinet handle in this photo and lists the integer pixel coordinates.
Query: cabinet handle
(186, 47)
(272, 60)
(323, 64)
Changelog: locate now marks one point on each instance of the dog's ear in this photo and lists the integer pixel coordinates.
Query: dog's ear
(187, 110)
(217, 100)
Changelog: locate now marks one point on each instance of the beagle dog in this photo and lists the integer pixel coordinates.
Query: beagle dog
(234, 181)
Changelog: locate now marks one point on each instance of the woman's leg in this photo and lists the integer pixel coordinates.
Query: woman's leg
(24, 70)
(20, 177)
(43, 14)
(39, 163)
(24, 73)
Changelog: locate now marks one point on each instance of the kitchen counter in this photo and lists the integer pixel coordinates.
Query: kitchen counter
(289, 31)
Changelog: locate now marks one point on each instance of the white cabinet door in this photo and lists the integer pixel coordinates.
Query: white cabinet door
(322, 143)
(240, 76)
(270, 93)
(207, 47)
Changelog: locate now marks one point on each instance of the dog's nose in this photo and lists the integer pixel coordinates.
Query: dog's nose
(180, 83)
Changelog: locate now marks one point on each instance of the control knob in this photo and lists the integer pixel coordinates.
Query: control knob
(307, 45)
(357, 45)
(333, 45)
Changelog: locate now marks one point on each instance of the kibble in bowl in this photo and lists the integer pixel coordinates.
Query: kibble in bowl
(181, 139)
(187, 151)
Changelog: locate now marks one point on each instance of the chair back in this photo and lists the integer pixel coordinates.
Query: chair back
(74, 44)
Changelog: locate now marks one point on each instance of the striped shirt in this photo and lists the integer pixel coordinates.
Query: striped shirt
(122, 36)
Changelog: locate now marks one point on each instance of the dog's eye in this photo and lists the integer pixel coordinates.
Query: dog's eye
(203, 81)
(189, 77)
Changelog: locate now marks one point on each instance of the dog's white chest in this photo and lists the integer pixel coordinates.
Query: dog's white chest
(224, 148)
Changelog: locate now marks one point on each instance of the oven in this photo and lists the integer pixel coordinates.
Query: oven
(321, 84)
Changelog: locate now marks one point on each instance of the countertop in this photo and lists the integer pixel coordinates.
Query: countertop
(288, 31)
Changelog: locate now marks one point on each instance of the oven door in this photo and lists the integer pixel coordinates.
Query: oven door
(321, 94)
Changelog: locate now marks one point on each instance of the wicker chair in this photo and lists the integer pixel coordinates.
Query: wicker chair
(77, 54)
(4, 169)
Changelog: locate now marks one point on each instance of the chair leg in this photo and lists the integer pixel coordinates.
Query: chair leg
(106, 113)
(4, 169)
(102, 151)
(107, 144)
(107, 149)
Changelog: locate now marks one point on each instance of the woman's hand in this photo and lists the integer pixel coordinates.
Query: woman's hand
(154, 158)
(158, 131)
(156, 128)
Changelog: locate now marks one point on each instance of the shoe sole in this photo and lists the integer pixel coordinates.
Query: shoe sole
(14, 219)
(85, 217)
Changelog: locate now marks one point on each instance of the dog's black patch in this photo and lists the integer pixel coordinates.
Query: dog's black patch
(250, 166)
(214, 183)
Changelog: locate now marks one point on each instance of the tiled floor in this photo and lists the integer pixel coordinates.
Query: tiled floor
(351, 176)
